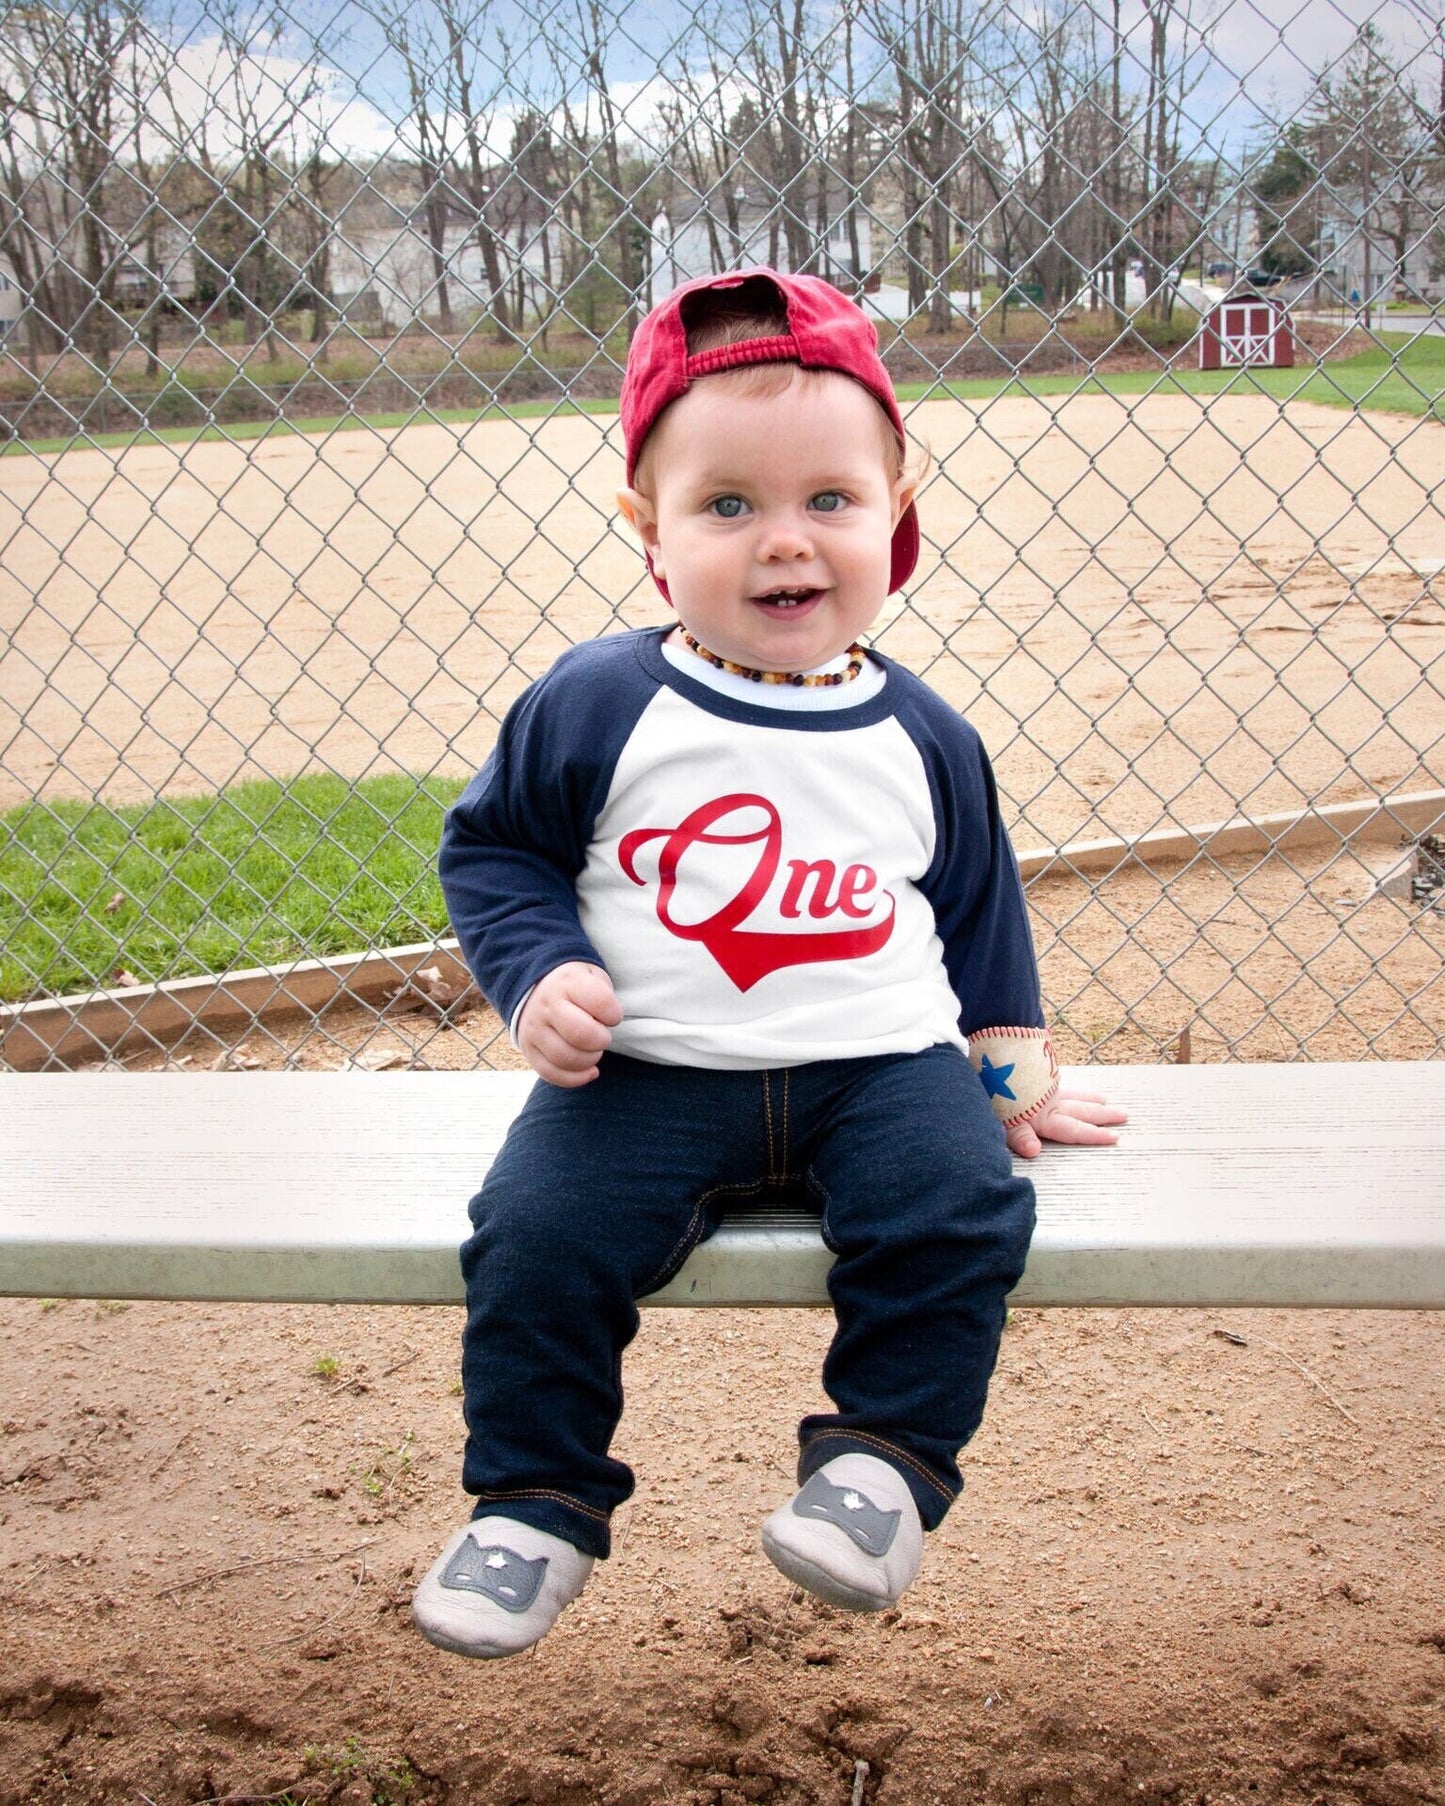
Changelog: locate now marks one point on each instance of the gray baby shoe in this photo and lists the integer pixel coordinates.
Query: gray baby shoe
(497, 1588)
(851, 1536)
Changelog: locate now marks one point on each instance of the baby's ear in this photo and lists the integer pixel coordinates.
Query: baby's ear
(640, 513)
(904, 490)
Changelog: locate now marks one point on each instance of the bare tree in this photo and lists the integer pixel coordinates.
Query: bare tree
(863, 143)
(697, 114)
(1165, 228)
(943, 57)
(1117, 183)
(454, 65)
(258, 104)
(63, 118)
(1059, 146)
(699, 152)
(405, 28)
(524, 206)
(613, 176)
(781, 67)
(1374, 142)
(764, 120)
(152, 149)
(319, 198)
(476, 53)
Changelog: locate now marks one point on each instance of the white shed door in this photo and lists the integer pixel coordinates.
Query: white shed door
(1246, 331)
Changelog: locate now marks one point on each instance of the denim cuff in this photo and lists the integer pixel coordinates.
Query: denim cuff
(930, 1494)
(587, 1530)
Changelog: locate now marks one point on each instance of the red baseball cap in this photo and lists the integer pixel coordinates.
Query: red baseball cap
(826, 331)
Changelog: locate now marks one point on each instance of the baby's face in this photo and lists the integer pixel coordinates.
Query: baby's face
(771, 517)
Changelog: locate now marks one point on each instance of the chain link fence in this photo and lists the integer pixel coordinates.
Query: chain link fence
(311, 327)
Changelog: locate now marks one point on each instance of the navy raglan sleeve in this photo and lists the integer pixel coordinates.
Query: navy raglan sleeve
(974, 884)
(978, 903)
(516, 839)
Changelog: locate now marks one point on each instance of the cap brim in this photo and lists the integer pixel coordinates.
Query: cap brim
(906, 541)
(666, 596)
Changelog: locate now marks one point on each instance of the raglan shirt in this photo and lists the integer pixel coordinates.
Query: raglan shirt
(764, 887)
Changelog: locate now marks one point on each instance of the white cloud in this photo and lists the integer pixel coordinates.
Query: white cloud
(226, 94)
(1271, 50)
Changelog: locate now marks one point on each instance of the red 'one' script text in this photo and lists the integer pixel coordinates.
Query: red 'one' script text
(816, 887)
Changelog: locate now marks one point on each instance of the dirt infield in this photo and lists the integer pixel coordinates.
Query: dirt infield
(1149, 606)
(1200, 1558)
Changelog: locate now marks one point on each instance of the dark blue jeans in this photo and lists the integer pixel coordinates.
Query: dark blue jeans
(599, 1194)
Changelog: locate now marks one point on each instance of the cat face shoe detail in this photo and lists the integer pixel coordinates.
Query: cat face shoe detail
(851, 1536)
(497, 1588)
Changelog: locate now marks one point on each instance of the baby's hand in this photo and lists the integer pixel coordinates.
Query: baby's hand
(1073, 1116)
(567, 1022)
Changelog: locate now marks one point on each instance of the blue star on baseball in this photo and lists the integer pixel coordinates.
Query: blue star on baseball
(996, 1078)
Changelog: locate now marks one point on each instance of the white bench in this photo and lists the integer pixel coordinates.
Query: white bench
(1299, 1184)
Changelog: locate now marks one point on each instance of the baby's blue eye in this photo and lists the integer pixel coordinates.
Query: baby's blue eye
(828, 502)
(728, 506)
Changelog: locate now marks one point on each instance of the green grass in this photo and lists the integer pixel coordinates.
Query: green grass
(339, 423)
(258, 874)
(1405, 376)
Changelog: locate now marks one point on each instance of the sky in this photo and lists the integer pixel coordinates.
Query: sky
(324, 67)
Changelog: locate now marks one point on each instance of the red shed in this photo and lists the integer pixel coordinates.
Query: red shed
(1246, 328)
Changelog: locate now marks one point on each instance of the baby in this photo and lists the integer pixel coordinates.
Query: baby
(743, 894)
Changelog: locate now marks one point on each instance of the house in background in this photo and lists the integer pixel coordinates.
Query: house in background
(386, 268)
(165, 270)
(12, 299)
(1390, 249)
(747, 228)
